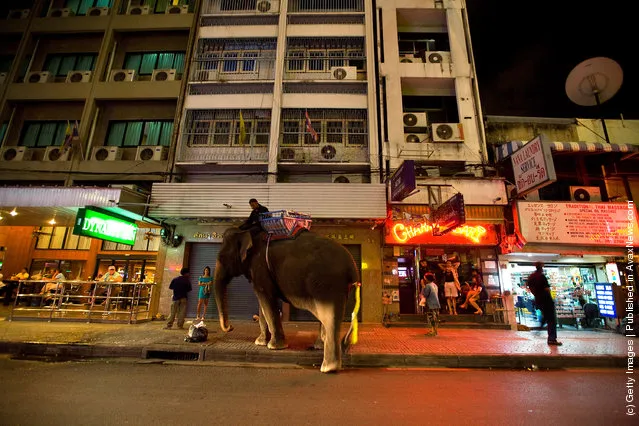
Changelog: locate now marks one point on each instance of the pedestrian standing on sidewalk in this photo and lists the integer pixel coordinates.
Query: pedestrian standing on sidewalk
(181, 286)
(429, 293)
(204, 293)
(539, 287)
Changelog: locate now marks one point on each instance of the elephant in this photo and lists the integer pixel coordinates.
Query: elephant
(310, 272)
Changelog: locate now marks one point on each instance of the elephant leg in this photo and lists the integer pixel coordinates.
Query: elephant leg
(332, 349)
(274, 322)
(319, 342)
(265, 335)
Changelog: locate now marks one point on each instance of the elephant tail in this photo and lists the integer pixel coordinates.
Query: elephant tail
(351, 335)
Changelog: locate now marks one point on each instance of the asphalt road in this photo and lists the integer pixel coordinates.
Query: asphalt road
(101, 392)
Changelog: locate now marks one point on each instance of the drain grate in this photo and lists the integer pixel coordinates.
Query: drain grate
(174, 356)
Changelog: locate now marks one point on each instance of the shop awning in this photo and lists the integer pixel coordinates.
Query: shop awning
(505, 150)
(36, 206)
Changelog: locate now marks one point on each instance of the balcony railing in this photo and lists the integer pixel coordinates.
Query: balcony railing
(225, 154)
(233, 67)
(323, 153)
(217, 7)
(325, 6)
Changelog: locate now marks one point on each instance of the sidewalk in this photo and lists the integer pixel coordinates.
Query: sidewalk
(377, 347)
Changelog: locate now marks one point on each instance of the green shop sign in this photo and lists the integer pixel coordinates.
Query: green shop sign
(92, 223)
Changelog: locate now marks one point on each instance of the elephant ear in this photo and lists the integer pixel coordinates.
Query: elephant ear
(246, 242)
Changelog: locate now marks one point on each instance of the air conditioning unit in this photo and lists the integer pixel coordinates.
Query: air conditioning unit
(415, 119)
(122, 75)
(409, 59)
(346, 178)
(437, 57)
(56, 153)
(267, 6)
(343, 73)
(98, 11)
(448, 132)
(151, 153)
(39, 77)
(329, 153)
(79, 77)
(176, 10)
(61, 13)
(18, 14)
(163, 75)
(416, 137)
(3, 77)
(16, 153)
(137, 9)
(585, 193)
(106, 153)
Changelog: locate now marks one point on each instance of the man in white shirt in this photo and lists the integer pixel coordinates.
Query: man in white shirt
(112, 275)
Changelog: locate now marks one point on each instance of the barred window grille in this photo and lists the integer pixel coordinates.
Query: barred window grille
(320, 54)
(223, 128)
(334, 126)
(326, 6)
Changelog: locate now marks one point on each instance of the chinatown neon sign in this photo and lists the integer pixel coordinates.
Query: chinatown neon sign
(403, 233)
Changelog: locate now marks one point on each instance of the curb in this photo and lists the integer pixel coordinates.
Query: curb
(204, 352)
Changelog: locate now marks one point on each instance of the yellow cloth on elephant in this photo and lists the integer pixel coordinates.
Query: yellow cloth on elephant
(354, 314)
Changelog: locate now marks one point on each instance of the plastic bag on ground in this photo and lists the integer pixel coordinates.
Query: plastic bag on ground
(197, 333)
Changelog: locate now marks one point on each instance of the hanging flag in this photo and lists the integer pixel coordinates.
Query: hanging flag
(175, 2)
(71, 135)
(309, 127)
(242, 129)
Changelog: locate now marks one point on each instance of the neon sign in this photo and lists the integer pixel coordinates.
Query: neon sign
(421, 233)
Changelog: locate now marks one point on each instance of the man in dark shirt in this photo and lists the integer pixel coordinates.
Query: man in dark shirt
(539, 287)
(181, 286)
(254, 218)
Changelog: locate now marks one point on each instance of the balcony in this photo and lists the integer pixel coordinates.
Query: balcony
(71, 23)
(240, 7)
(48, 91)
(324, 153)
(330, 59)
(426, 64)
(233, 66)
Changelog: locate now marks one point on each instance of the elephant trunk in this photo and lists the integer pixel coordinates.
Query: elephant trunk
(221, 284)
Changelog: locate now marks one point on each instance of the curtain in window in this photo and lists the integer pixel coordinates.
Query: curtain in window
(52, 64)
(73, 5)
(31, 134)
(152, 132)
(103, 3)
(178, 64)
(47, 133)
(116, 134)
(167, 131)
(133, 133)
(60, 134)
(25, 66)
(133, 61)
(3, 130)
(148, 63)
(85, 63)
(161, 5)
(165, 60)
(84, 6)
(67, 64)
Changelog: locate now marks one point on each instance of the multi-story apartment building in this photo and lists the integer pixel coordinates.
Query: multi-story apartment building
(90, 98)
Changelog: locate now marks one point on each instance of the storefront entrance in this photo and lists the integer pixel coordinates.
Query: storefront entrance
(242, 303)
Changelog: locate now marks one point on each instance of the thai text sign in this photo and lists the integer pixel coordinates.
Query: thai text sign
(422, 233)
(533, 167)
(104, 226)
(402, 182)
(449, 215)
(605, 300)
(599, 224)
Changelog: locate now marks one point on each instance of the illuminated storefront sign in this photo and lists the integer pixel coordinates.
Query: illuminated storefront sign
(421, 233)
(605, 300)
(105, 226)
(599, 224)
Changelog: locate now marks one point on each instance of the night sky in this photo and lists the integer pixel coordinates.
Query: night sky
(524, 54)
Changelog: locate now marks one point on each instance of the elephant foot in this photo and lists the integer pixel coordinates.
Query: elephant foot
(261, 340)
(277, 344)
(330, 367)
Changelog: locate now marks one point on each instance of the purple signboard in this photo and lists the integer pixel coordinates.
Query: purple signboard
(403, 181)
(449, 215)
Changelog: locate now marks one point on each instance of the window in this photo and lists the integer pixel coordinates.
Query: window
(137, 133)
(291, 131)
(262, 133)
(146, 63)
(59, 237)
(356, 132)
(43, 133)
(60, 65)
(222, 127)
(146, 239)
(159, 6)
(221, 132)
(296, 64)
(316, 60)
(336, 58)
(5, 63)
(248, 125)
(356, 59)
(200, 136)
(334, 131)
(80, 7)
(249, 65)
(3, 131)
(230, 65)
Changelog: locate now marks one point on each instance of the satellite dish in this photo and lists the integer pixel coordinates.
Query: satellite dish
(594, 81)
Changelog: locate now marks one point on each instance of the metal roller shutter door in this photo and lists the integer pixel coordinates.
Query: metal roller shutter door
(241, 298)
(302, 315)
